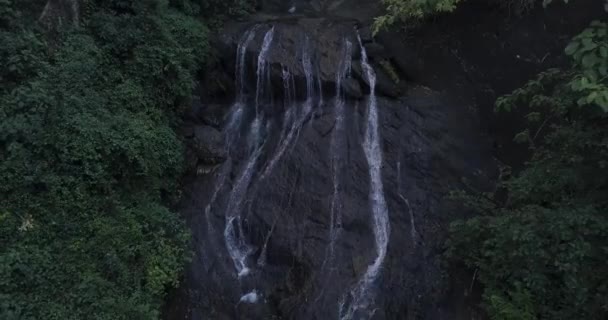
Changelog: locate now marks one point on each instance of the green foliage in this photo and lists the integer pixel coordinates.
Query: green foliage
(216, 10)
(590, 53)
(88, 157)
(406, 12)
(540, 252)
(403, 11)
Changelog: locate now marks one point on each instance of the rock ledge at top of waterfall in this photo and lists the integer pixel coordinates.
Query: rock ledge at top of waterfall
(324, 36)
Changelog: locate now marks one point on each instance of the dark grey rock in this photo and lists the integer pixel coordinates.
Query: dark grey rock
(208, 144)
(365, 33)
(325, 41)
(289, 213)
(384, 84)
(217, 84)
(352, 88)
(376, 51)
(213, 115)
(186, 131)
(403, 55)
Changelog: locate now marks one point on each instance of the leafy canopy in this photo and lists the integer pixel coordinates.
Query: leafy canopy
(407, 12)
(88, 158)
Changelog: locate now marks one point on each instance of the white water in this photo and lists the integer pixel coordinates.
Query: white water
(291, 126)
(361, 296)
(251, 297)
(309, 75)
(262, 70)
(240, 62)
(236, 114)
(237, 246)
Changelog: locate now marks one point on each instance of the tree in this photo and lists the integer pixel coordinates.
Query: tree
(540, 252)
(89, 158)
(407, 12)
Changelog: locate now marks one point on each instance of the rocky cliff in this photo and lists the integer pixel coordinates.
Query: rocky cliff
(283, 200)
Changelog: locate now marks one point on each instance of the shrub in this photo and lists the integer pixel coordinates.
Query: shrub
(540, 252)
(87, 153)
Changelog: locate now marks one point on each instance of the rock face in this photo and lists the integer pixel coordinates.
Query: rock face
(294, 37)
(287, 219)
(286, 227)
(282, 215)
(281, 211)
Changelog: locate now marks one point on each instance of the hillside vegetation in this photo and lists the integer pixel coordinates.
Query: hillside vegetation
(88, 157)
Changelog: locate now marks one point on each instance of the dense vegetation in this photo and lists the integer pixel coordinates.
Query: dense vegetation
(408, 12)
(539, 242)
(88, 157)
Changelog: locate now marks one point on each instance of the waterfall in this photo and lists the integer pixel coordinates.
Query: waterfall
(291, 125)
(236, 114)
(238, 249)
(232, 126)
(262, 71)
(251, 297)
(360, 296)
(240, 62)
(309, 75)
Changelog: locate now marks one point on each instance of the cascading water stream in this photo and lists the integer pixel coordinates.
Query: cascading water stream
(262, 87)
(291, 125)
(308, 74)
(237, 247)
(236, 244)
(262, 70)
(237, 109)
(360, 297)
(235, 116)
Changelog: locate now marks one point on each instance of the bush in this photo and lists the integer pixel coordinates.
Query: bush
(87, 155)
(540, 253)
(408, 12)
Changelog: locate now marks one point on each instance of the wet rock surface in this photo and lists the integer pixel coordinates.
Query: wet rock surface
(430, 140)
(288, 213)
